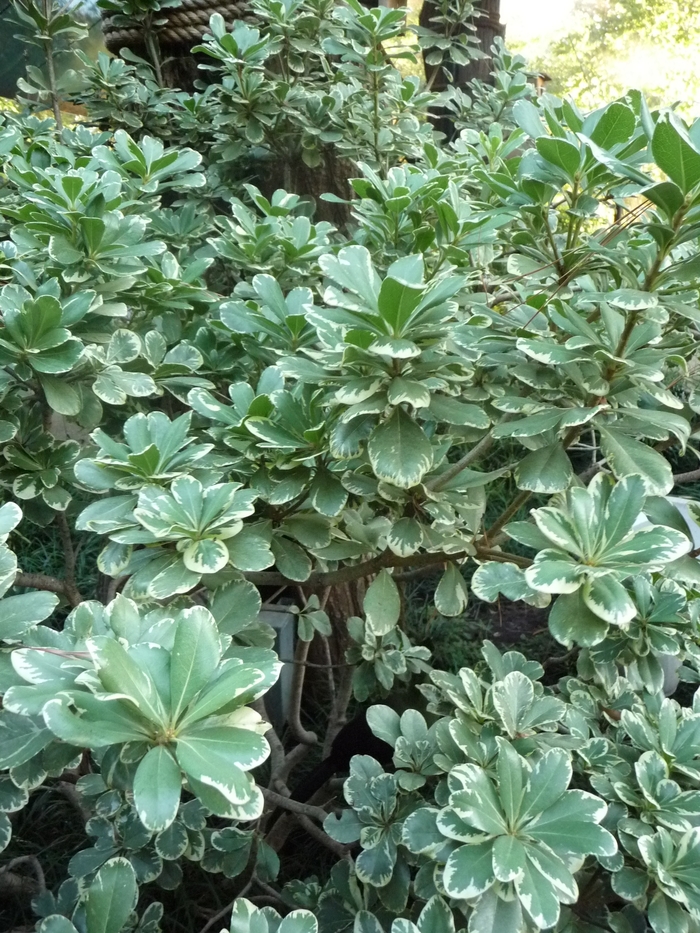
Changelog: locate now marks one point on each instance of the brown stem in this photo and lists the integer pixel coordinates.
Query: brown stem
(470, 457)
(71, 590)
(11, 880)
(294, 719)
(276, 747)
(294, 806)
(271, 893)
(351, 572)
(339, 710)
(506, 516)
(297, 755)
(40, 581)
(339, 850)
(47, 43)
(329, 665)
(228, 908)
(692, 476)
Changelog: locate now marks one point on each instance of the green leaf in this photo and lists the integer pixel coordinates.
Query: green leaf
(239, 747)
(549, 778)
(674, 152)
(20, 739)
(216, 757)
(561, 153)
(236, 684)
(614, 126)
(195, 654)
(5, 831)
(510, 788)
(172, 842)
(235, 606)
(572, 622)
(545, 470)
(609, 600)
(508, 858)
(399, 451)
(623, 508)
(626, 456)
(60, 395)
(18, 613)
(250, 551)
(56, 923)
(405, 537)
(84, 732)
(513, 697)
(111, 897)
(451, 594)
(528, 118)
(205, 556)
(385, 723)
(469, 870)
(120, 674)
(382, 604)
(538, 896)
(327, 494)
(570, 826)
(420, 832)
(495, 578)
(554, 572)
(375, 865)
(157, 785)
(491, 914)
(453, 411)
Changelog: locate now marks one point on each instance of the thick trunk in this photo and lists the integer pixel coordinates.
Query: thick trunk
(488, 27)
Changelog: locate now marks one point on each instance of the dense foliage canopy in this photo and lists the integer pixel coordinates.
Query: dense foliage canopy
(488, 372)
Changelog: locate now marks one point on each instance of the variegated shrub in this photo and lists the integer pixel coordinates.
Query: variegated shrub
(222, 402)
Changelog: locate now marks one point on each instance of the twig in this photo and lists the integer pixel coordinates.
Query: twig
(294, 806)
(270, 891)
(387, 559)
(297, 755)
(693, 476)
(470, 457)
(506, 516)
(68, 790)
(47, 43)
(225, 910)
(339, 850)
(31, 860)
(294, 718)
(71, 590)
(246, 884)
(276, 747)
(329, 665)
(41, 581)
(339, 710)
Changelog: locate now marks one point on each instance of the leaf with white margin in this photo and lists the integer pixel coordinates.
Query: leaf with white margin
(207, 555)
(111, 897)
(554, 572)
(469, 871)
(399, 450)
(196, 652)
(494, 578)
(607, 598)
(157, 786)
(121, 675)
(84, 732)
